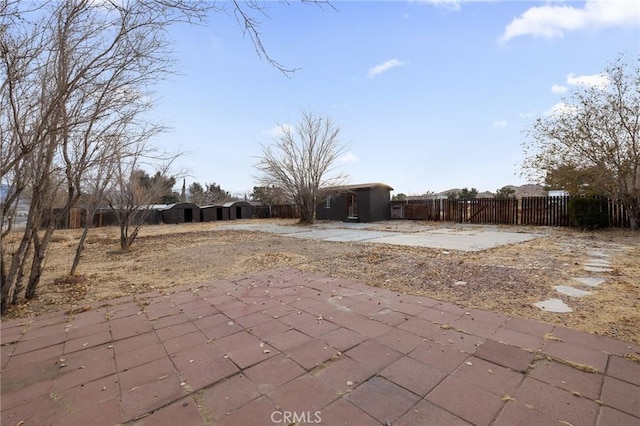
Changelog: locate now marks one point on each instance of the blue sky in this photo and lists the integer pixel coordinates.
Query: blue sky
(429, 95)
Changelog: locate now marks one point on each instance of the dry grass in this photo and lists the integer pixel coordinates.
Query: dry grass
(506, 279)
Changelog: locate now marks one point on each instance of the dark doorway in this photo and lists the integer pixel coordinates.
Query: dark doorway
(238, 212)
(188, 215)
(352, 206)
(218, 213)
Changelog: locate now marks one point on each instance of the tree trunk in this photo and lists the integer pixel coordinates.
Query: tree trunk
(123, 234)
(79, 248)
(20, 277)
(15, 273)
(306, 213)
(91, 213)
(39, 254)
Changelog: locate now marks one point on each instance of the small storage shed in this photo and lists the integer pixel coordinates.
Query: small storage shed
(181, 213)
(239, 210)
(367, 202)
(213, 212)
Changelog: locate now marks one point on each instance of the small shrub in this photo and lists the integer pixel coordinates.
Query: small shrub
(588, 212)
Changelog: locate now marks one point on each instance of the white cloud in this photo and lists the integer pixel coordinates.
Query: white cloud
(348, 158)
(558, 89)
(384, 67)
(596, 80)
(551, 21)
(560, 108)
(527, 114)
(500, 124)
(448, 4)
(276, 131)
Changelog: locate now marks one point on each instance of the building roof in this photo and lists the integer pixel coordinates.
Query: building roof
(363, 186)
(180, 205)
(236, 203)
(158, 206)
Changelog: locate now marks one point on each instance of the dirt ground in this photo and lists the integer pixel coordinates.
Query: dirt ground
(507, 279)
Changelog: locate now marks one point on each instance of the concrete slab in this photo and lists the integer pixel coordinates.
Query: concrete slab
(346, 225)
(466, 241)
(589, 281)
(415, 235)
(553, 305)
(590, 268)
(571, 291)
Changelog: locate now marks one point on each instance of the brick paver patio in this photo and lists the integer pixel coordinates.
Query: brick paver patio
(283, 346)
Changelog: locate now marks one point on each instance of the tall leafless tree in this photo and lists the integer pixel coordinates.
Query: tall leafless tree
(73, 75)
(598, 129)
(76, 73)
(301, 162)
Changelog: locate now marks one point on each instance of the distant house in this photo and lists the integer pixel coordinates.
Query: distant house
(367, 202)
(557, 193)
(180, 213)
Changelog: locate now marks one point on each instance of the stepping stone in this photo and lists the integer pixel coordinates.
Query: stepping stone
(590, 281)
(571, 291)
(598, 254)
(597, 269)
(553, 305)
(597, 262)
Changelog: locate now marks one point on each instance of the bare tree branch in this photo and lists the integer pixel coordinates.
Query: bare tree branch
(301, 162)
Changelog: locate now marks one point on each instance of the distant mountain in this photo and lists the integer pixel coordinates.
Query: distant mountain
(526, 190)
(529, 190)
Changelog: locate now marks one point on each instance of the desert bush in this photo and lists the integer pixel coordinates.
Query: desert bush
(588, 212)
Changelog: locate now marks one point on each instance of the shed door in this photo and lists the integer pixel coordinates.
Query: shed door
(352, 206)
(188, 215)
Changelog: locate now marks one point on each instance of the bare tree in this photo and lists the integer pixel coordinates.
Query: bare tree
(73, 74)
(132, 194)
(598, 129)
(301, 161)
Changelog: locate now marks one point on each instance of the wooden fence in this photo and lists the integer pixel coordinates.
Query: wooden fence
(479, 210)
(285, 211)
(540, 211)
